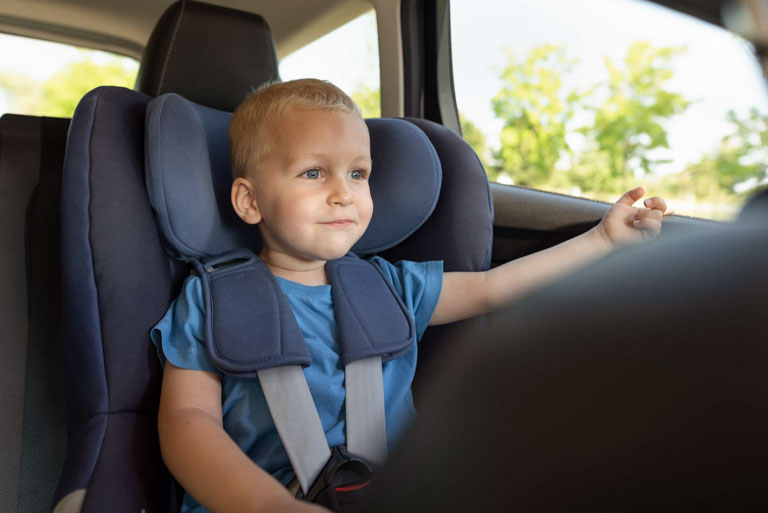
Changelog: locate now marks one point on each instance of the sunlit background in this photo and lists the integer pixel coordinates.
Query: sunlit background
(583, 98)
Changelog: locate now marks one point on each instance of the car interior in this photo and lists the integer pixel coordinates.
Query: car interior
(88, 269)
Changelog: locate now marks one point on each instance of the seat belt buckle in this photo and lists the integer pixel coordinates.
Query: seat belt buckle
(341, 485)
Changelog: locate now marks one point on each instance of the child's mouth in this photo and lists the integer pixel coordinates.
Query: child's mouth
(340, 223)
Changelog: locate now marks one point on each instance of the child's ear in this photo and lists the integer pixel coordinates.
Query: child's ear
(244, 201)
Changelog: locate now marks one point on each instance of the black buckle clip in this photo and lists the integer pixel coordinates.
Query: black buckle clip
(342, 483)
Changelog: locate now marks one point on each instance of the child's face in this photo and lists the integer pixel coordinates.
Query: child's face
(312, 189)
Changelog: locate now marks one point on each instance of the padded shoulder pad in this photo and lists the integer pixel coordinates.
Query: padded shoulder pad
(249, 324)
(372, 318)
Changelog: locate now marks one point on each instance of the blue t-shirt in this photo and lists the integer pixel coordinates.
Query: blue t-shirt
(180, 337)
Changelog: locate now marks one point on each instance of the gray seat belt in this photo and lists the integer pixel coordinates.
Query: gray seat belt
(298, 423)
(296, 420)
(366, 424)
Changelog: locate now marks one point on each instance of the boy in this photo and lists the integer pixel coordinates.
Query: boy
(301, 160)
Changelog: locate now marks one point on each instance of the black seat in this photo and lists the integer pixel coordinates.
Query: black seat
(637, 384)
(33, 422)
(211, 55)
(31, 159)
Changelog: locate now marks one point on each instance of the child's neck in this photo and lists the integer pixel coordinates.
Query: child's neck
(306, 272)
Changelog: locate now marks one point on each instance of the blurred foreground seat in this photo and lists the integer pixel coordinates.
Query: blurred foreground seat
(637, 384)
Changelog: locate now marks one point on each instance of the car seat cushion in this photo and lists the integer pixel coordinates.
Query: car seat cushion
(189, 166)
(116, 283)
(187, 163)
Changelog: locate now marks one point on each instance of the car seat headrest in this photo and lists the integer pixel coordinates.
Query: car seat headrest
(212, 55)
(189, 179)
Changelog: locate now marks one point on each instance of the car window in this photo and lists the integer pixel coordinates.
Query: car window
(42, 78)
(348, 57)
(589, 98)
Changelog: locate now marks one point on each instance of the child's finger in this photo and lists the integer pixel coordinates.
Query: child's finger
(649, 213)
(647, 225)
(656, 203)
(631, 196)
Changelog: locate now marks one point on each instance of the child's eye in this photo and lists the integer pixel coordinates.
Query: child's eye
(312, 174)
(357, 175)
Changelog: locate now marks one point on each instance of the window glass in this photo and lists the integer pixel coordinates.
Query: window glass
(348, 57)
(41, 78)
(589, 98)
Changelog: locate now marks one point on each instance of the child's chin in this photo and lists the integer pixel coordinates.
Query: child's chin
(335, 253)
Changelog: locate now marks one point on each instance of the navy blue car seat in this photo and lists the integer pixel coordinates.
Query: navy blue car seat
(189, 41)
(118, 279)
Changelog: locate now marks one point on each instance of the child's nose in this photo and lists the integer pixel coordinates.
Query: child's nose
(340, 193)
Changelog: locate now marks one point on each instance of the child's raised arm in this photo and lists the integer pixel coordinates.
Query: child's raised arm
(466, 295)
(204, 459)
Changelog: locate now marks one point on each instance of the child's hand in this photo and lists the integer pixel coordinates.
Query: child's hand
(625, 224)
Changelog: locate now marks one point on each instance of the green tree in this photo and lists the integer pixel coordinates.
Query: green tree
(621, 120)
(743, 156)
(59, 94)
(368, 99)
(536, 109)
(628, 125)
(477, 140)
(741, 159)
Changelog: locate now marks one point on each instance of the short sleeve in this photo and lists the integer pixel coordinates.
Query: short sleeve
(180, 334)
(418, 284)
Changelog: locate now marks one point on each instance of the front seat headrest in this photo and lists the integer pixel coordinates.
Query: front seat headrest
(209, 54)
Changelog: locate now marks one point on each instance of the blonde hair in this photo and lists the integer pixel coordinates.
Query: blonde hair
(249, 130)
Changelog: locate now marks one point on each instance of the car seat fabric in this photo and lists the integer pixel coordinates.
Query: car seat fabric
(44, 428)
(32, 423)
(13, 294)
(33, 396)
(755, 206)
(235, 314)
(669, 416)
(212, 55)
(117, 282)
(459, 232)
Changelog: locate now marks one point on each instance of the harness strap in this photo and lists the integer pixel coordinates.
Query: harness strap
(298, 423)
(296, 420)
(366, 425)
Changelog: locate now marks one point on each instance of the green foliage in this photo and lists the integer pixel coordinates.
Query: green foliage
(736, 168)
(628, 125)
(743, 154)
(621, 120)
(535, 109)
(601, 140)
(59, 95)
(477, 140)
(369, 100)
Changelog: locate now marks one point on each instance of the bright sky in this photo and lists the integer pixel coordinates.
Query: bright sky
(717, 70)
(348, 56)
(32, 57)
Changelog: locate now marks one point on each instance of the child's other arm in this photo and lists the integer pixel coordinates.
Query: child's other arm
(466, 295)
(204, 459)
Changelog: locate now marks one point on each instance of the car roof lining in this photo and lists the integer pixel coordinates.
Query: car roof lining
(124, 28)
